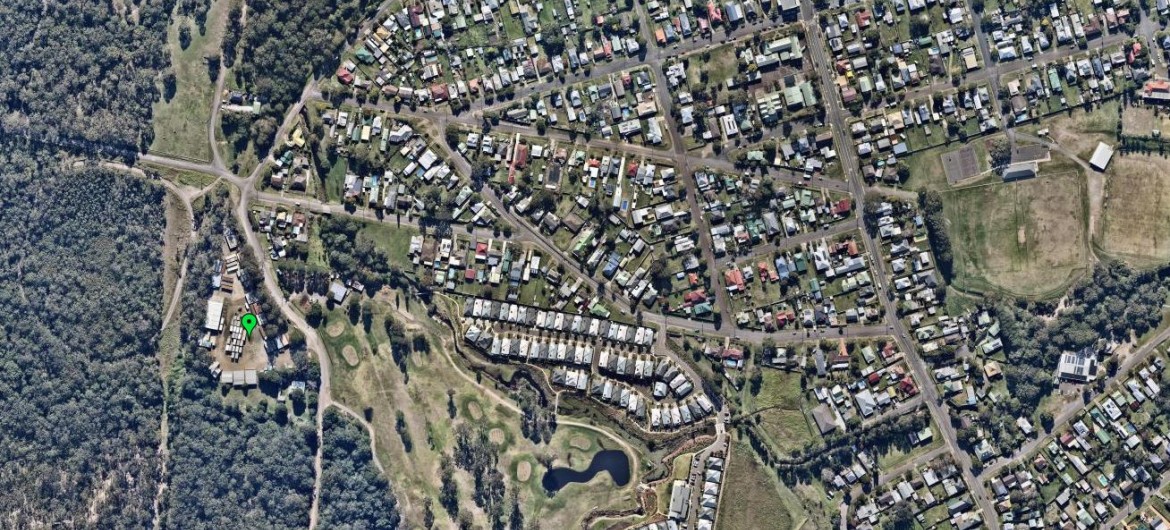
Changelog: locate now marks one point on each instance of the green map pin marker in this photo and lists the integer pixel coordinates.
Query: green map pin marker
(248, 321)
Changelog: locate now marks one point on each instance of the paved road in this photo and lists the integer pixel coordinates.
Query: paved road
(837, 117)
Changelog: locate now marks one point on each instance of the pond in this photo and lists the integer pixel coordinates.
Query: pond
(616, 463)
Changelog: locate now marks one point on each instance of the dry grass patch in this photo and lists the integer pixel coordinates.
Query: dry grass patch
(751, 494)
(474, 410)
(523, 471)
(1027, 238)
(180, 124)
(1135, 224)
(335, 328)
(350, 355)
(1081, 131)
(1143, 120)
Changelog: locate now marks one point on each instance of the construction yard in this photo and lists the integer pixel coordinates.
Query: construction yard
(1027, 238)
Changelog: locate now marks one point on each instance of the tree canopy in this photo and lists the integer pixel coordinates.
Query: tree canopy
(80, 394)
(354, 494)
(82, 74)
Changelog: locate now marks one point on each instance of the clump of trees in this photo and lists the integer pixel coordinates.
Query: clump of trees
(936, 225)
(352, 254)
(285, 41)
(353, 493)
(1110, 304)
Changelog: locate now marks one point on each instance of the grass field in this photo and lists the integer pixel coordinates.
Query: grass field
(780, 408)
(181, 177)
(926, 167)
(180, 125)
(1081, 131)
(1027, 238)
(376, 386)
(1135, 221)
(753, 497)
(1143, 120)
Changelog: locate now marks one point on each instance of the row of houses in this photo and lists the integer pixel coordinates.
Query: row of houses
(540, 319)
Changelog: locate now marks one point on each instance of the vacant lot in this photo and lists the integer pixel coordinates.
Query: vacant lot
(1027, 238)
(780, 408)
(1081, 131)
(1143, 120)
(1135, 224)
(753, 496)
(180, 124)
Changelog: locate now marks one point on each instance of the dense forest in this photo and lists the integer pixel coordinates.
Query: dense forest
(80, 394)
(354, 494)
(233, 465)
(286, 41)
(82, 74)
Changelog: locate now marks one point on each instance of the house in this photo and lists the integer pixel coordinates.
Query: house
(338, 291)
(1156, 91)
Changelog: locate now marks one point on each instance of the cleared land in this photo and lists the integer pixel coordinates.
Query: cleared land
(753, 495)
(1143, 120)
(180, 124)
(1135, 223)
(1081, 131)
(1027, 238)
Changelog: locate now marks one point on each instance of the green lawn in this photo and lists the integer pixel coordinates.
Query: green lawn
(780, 406)
(335, 180)
(180, 124)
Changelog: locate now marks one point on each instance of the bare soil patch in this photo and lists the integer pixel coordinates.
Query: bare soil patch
(335, 329)
(474, 410)
(580, 443)
(523, 471)
(496, 436)
(350, 354)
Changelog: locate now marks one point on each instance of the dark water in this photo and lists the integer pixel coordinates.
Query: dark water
(616, 463)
